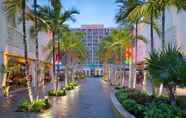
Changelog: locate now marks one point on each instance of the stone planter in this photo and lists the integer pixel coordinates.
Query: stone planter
(118, 108)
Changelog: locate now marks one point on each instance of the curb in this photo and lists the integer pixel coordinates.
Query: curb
(118, 109)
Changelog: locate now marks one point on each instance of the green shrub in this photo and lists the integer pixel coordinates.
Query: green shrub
(133, 107)
(58, 92)
(161, 110)
(142, 105)
(181, 102)
(37, 106)
(24, 105)
(71, 85)
(121, 96)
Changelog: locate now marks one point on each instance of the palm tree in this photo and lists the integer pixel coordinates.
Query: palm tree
(106, 52)
(14, 7)
(119, 39)
(131, 12)
(37, 48)
(164, 4)
(124, 38)
(167, 66)
(71, 46)
(125, 7)
(54, 19)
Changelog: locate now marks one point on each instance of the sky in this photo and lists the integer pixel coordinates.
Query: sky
(92, 12)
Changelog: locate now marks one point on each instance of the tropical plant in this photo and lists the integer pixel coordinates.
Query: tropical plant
(53, 18)
(124, 38)
(107, 54)
(72, 47)
(37, 48)
(14, 7)
(131, 12)
(38, 106)
(168, 67)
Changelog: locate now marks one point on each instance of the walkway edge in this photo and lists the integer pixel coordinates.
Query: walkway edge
(118, 109)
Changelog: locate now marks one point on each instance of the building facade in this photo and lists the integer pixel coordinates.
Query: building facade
(12, 48)
(93, 34)
(175, 33)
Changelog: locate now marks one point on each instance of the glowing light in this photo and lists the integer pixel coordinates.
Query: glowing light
(128, 55)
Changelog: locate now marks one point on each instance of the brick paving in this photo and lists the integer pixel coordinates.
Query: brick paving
(90, 100)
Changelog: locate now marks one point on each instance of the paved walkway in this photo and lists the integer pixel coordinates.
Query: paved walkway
(91, 100)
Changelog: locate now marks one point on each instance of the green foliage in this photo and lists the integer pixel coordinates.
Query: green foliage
(181, 102)
(71, 85)
(24, 105)
(167, 65)
(133, 107)
(121, 95)
(58, 92)
(37, 106)
(161, 110)
(125, 8)
(40, 105)
(110, 47)
(142, 105)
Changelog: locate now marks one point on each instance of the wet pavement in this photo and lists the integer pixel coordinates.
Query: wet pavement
(90, 100)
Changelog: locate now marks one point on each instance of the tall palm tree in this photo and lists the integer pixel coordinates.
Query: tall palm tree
(131, 12)
(163, 5)
(143, 12)
(106, 53)
(119, 39)
(54, 18)
(14, 7)
(125, 7)
(37, 48)
(124, 38)
(70, 45)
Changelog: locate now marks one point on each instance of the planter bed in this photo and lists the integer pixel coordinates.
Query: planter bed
(58, 92)
(41, 105)
(142, 105)
(62, 91)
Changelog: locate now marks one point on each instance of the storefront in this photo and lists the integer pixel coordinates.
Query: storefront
(14, 71)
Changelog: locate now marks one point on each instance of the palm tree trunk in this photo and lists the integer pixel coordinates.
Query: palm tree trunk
(66, 69)
(163, 43)
(121, 62)
(53, 57)
(130, 76)
(151, 32)
(37, 51)
(163, 28)
(136, 54)
(26, 52)
(58, 71)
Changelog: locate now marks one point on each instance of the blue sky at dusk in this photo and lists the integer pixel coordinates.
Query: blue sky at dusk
(92, 12)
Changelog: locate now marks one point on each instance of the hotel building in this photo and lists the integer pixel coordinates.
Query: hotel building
(93, 34)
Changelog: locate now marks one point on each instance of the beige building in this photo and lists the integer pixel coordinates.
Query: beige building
(175, 33)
